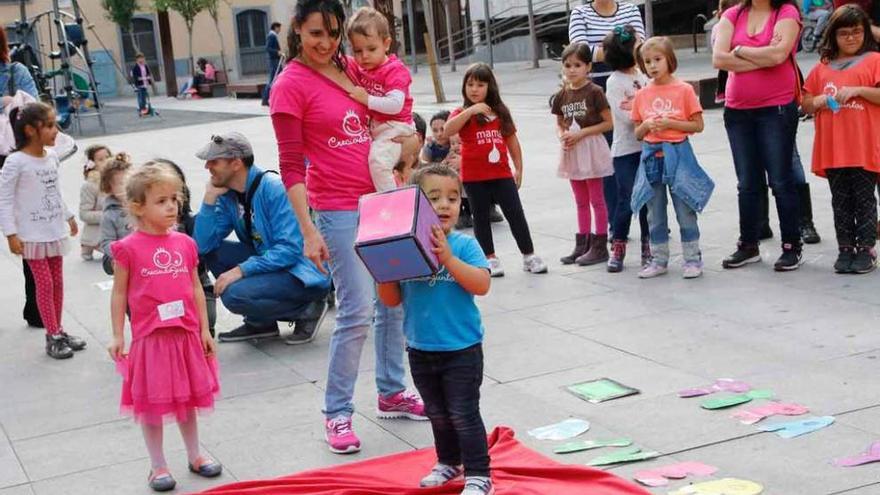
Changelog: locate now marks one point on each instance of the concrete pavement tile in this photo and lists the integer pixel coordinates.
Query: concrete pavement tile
(505, 328)
(11, 472)
(310, 361)
(547, 355)
(824, 338)
(589, 311)
(797, 466)
(291, 450)
(261, 413)
(870, 489)
(866, 419)
(72, 451)
(705, 346)
(128, 478)
(833, 386)
(17, 490)
(246, 370)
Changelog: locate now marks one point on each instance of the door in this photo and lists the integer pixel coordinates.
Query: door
(145, 36)
(251, 28)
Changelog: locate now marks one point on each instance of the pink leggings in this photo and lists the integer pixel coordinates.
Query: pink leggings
(588, 192)
(49, 281)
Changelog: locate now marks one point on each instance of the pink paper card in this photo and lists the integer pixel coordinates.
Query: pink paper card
(720, 385)
(755, 414)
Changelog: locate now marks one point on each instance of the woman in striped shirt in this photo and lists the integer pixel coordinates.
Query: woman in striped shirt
(592, 22)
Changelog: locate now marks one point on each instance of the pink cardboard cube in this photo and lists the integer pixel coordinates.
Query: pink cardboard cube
(394, 234)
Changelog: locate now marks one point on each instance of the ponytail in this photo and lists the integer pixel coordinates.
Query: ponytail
(35, 115)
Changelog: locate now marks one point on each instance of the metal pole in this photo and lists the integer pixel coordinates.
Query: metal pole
(411, 18)
(533, 35)
(93, 83)
(488, 22)
(450, 46)
(649, 18)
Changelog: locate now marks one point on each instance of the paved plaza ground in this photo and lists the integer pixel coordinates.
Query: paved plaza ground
(810, 336)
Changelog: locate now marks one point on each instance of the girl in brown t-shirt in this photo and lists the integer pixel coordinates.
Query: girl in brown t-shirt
(582, 115)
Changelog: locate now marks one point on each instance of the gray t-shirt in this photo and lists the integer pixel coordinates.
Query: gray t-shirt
(620, 91)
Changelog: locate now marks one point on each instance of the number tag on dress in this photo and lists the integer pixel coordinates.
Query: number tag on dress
(171, 310)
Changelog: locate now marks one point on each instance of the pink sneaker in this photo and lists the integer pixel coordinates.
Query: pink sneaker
(401, 405)
(340, 436)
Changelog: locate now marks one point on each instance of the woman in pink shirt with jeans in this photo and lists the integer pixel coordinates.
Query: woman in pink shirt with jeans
(311, 110)
(756, 43)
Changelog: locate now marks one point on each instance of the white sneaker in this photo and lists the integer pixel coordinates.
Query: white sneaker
(693, 269)
(478, 485)
(534, 264)
(495, 268)
(440, 475)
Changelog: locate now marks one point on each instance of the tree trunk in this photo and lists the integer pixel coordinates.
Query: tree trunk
(134, 43)
(192, 65)
(222, 51)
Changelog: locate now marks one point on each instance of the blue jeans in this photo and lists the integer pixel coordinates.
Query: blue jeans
(142, 98)
(625, 168)
(357, 308)
(263, 298)
(449, 383)
(659, 226)
(762, 142)
(272, 69)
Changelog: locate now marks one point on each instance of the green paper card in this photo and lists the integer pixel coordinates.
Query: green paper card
(579, 446)
(600, 390)
(632, 454)
(735, 400)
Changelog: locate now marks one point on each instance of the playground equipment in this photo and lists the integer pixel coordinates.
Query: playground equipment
(76, 97)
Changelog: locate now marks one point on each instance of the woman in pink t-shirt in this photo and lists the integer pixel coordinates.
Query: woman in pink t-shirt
(756, 43)
(313, 115)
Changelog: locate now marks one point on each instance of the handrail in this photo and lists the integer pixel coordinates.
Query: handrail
(694, 28)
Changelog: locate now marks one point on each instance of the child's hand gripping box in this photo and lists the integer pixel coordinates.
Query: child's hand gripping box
(394, 234)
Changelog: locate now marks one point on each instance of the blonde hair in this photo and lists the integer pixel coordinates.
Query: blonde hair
(148, 176)
(110, 170)
(366, 21)
(663, 45)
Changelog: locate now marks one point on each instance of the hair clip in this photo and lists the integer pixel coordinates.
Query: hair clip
(625, 36)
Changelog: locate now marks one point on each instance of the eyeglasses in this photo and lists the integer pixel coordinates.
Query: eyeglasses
(855, 33)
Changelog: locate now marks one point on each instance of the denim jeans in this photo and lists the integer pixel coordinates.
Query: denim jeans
(625, 168)
(357, 308)
(762, 142)
(142, 98)
(263, 298)
(449, 383)
(270, 78)
(659, 226)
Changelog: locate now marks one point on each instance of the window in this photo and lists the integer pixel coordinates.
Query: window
(252, 27)
(145, 37)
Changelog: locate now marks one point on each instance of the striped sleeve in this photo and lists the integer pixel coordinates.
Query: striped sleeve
(577, 28)
(587, 26)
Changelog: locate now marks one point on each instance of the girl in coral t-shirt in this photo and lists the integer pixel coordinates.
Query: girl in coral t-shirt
(843, 93)
(488, 135)
(170, 370)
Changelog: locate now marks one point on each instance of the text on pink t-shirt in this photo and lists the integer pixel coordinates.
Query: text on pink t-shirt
(767, 87)
(160, 281)
(675, 101)
(336, 136)
(390, 76)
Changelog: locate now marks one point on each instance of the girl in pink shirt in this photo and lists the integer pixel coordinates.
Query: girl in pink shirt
(170, 370)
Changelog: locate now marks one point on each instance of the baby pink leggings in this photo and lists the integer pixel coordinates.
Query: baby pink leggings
(49, 282)
(588, 192)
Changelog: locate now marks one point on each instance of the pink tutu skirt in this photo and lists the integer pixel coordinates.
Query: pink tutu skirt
(590, 158)
(166, 375)
(43, 250)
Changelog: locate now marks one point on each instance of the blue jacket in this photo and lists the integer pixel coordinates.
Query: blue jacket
(679, 170)
(21, 79)
(273, 46)
(277, 237)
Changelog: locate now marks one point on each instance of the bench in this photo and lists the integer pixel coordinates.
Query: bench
(216, 89)
(244, 89)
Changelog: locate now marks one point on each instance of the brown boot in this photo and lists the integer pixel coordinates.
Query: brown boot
(598, 252)
(581, 246)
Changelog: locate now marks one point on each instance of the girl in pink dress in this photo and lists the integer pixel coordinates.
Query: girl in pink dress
(170, 370)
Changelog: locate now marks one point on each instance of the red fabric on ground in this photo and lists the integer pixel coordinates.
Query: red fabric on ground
(516, 470)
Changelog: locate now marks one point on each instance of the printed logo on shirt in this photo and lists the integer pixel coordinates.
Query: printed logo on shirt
(662, 107)
(831, 90)
(165, 263)
(441, 276)
(351, 125)
(575, 109)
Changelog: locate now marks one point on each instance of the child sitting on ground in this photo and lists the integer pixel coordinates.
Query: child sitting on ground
(444, 341)
(90, 201)
(384, 88)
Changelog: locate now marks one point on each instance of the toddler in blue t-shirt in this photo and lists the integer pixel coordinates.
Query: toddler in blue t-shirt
(444, 336)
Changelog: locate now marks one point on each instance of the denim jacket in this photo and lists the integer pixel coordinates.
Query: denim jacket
(276, 234)
(680, 171)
